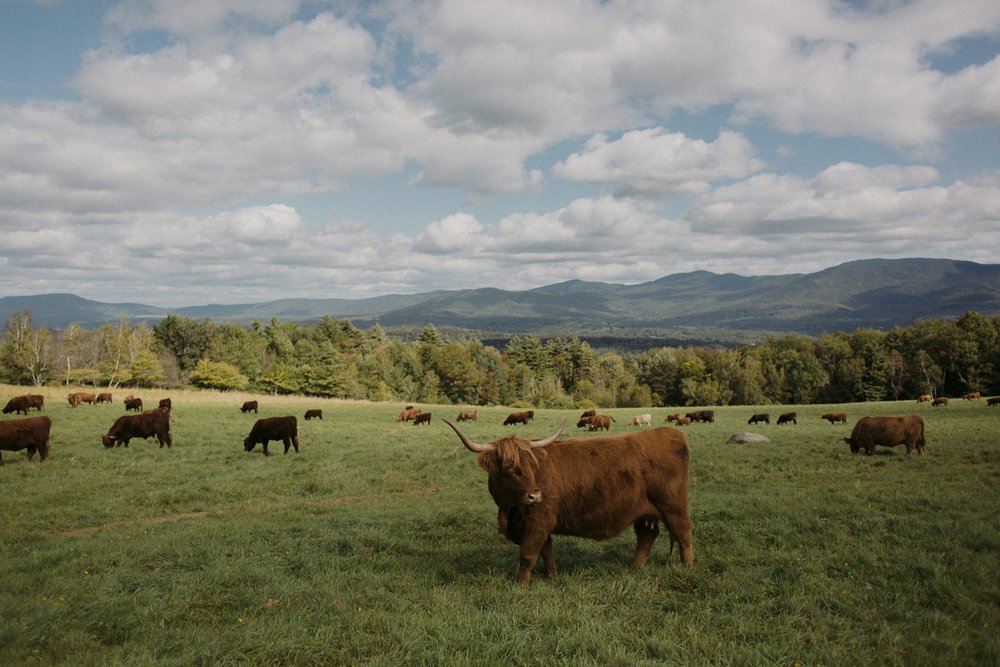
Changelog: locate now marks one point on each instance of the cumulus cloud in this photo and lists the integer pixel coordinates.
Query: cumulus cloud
(188, 115)
(655, 162)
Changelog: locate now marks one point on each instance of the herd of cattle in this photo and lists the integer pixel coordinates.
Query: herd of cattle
(32, 433)
(591, 487)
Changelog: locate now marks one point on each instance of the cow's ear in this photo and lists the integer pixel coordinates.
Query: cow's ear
(488, 461)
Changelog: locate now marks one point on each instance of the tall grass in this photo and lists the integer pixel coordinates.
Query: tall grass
(376, 544)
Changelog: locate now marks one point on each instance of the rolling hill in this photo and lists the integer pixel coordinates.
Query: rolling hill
(701, 305)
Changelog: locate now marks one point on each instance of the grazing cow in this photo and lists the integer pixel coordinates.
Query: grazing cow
(584, 421)
(592, 487)
(17, 405)
(408, 414)
(788, 417)
(707, 416)
(264, 430)
(641, 420)
(940, 400)
(760, 417)
(598, 422)
(422, 418)
(104, 397)
(588, 413)
(31, 434)
(133, 403)
(78, 397)
(144, 425)
(888, 432)
(313, 414)
(165, 404)
(683, 421)
(834, 417)
(972, 396)
(519, 418)
(924, 398)
(36, 401)
(990, 402)
(249, 406)
(467, 415)
(673, 417)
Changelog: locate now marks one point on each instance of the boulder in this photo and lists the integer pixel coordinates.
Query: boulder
(746, 437)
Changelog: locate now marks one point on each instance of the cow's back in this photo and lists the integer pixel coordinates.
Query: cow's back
(275, 428)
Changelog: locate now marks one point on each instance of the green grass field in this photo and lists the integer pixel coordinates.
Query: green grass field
(376, 544)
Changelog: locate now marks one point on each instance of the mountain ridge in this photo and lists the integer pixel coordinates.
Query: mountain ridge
(878, 293)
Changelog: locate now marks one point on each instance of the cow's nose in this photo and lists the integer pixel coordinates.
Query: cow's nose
(534, 497)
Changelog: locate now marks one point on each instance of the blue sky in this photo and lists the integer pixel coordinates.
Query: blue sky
(230, 151)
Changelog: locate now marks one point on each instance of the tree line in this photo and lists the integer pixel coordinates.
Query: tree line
(333, 358)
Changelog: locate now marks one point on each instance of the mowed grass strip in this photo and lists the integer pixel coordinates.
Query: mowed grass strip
(376, 544)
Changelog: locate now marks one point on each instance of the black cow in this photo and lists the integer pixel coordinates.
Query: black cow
(145, 425)
(249, 406)
(31, 434)
(17, 405)
(791, 417)
(519, 418)
(313, 414)
(264, 430)
(707, 416)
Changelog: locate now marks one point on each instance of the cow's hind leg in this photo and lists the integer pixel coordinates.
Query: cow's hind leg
(679, 525)
(647, 528)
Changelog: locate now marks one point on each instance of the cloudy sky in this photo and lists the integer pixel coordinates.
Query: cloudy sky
(175, 152)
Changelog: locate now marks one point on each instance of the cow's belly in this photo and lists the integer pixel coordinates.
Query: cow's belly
(604, 521)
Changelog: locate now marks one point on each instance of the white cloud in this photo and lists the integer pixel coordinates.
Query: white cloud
(460, 231)
(153, 176)
(654, 161)
(264, 224)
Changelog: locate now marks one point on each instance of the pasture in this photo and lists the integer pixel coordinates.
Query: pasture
(377, 544)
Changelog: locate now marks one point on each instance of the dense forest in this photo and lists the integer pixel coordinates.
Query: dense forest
(334, 358)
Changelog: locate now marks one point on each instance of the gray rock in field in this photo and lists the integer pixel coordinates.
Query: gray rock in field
(747, 436)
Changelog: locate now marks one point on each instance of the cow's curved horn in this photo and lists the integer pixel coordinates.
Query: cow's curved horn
(469, 444)
(549, 440)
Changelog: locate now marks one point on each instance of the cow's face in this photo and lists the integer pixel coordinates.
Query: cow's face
(108, 440)
(855, 448)
(513, 469)
(249, 444)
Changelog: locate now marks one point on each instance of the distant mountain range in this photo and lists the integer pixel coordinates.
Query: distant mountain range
(700, 305)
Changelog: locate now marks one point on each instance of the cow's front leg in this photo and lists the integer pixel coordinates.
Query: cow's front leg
(534, 542)
(548, 557)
